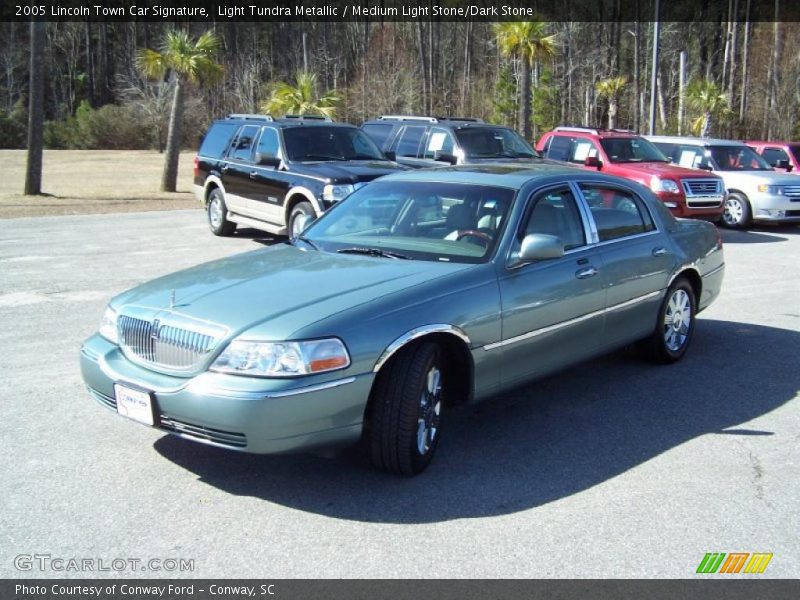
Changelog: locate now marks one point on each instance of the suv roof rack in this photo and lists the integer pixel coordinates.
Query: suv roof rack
(407, 118)
(309, 117)
(594, 130)
(249, 116)
(465, 119)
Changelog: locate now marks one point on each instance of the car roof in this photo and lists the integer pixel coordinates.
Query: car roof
(507, 175)
(594, 131)
(285, 122)
(772, 143)
(454, 122)
(694, 141)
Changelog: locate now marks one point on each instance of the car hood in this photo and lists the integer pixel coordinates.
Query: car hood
(282, 288)
(351, 171)
(664, 170)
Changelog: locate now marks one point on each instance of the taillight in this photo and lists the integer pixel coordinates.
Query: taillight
(196, 168)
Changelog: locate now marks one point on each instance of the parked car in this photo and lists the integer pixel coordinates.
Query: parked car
(756, 192)
(261, 172)
(686, 192)
(423, 290)
(442, 141)
(781, 156)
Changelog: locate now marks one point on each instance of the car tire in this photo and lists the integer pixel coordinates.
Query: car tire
(302, 208)
(406, 404)
(217, 213)
(674, 326)
(738, 212)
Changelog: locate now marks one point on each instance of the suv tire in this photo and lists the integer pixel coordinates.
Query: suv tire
(302, 208)
(217, 212)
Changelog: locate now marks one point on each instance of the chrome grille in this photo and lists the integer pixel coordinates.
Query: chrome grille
(702, 193)
(164, 345)
(702, 187)
(792, 192)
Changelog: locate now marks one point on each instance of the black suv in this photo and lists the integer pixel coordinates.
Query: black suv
(261, 172)
(436, 141)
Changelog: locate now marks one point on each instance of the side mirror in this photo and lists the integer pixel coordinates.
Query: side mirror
(390, 155)
(593, 161)
(540, 246)
(705, 165)
(267, 160)
(783, 164)
(441, 156)
(302, 222)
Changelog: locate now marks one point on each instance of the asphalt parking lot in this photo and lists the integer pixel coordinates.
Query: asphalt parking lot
(616, 468)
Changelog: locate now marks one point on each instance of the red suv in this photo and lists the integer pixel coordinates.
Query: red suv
(686, 192)
(782, 156)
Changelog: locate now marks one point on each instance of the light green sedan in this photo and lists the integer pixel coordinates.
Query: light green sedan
(419, 292)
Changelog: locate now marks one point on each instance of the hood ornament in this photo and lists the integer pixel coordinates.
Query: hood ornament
(172, 298)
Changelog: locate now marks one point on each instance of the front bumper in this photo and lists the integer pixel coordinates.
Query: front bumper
(768, 207)
(262, 416)
(706, 207)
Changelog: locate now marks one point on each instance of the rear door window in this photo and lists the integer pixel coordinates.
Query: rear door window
(244, 143)
(558, 148)
(409, 143)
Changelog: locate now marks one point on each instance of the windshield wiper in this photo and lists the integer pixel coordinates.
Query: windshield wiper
(364, 157)
(320, 157)
(374, 252)
(303, 238)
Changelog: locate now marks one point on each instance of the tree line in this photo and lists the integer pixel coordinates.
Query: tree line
(719, 75)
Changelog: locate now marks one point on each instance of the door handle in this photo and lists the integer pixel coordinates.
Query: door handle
(253, 174)
(660, 251)
(586, 273)
(224, 168)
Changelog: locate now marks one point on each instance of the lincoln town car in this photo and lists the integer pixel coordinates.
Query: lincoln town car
(420, 292)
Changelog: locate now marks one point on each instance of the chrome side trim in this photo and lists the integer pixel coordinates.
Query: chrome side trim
(202, 387)
(415, 333)
(714, 271)
(557, 326)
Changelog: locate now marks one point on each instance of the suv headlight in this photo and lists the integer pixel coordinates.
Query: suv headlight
(334, 193)
(282, 359)
(108, 325)
(664, 185)
(773, 190)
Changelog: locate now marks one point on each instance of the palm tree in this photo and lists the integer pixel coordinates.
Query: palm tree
(526, 40)
(183, 60)
(610, 89)
(707, 98)
(33, 174)
(301, 98)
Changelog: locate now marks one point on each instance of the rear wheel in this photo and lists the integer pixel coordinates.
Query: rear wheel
(737, 211)
(406, 410)
(218, 214)
(675, 325)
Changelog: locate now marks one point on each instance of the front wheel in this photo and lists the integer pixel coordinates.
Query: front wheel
(406, 410)
(218, 214)
(737, 212)
(302, 208)
(674, 326)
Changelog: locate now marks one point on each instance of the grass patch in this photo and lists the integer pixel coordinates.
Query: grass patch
(77, 182)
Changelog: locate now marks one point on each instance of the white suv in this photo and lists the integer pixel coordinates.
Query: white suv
(756, 192)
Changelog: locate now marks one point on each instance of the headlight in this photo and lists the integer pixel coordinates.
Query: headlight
(108, 325)
(664, 185)
(282, 359)
(774, 190)
(334, 193)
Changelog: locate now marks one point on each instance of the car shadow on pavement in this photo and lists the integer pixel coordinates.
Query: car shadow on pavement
(260, 237)
(748, 236)
(546, 441)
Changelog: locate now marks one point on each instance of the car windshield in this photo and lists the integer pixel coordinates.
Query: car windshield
(493, 142)
(317, 143)
(627, 150)
(450, 222)
(738, 158)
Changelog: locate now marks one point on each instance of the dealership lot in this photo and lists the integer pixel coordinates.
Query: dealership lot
(616, 468)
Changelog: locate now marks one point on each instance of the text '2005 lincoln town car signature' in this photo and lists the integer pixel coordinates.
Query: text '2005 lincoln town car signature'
(421, 291)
